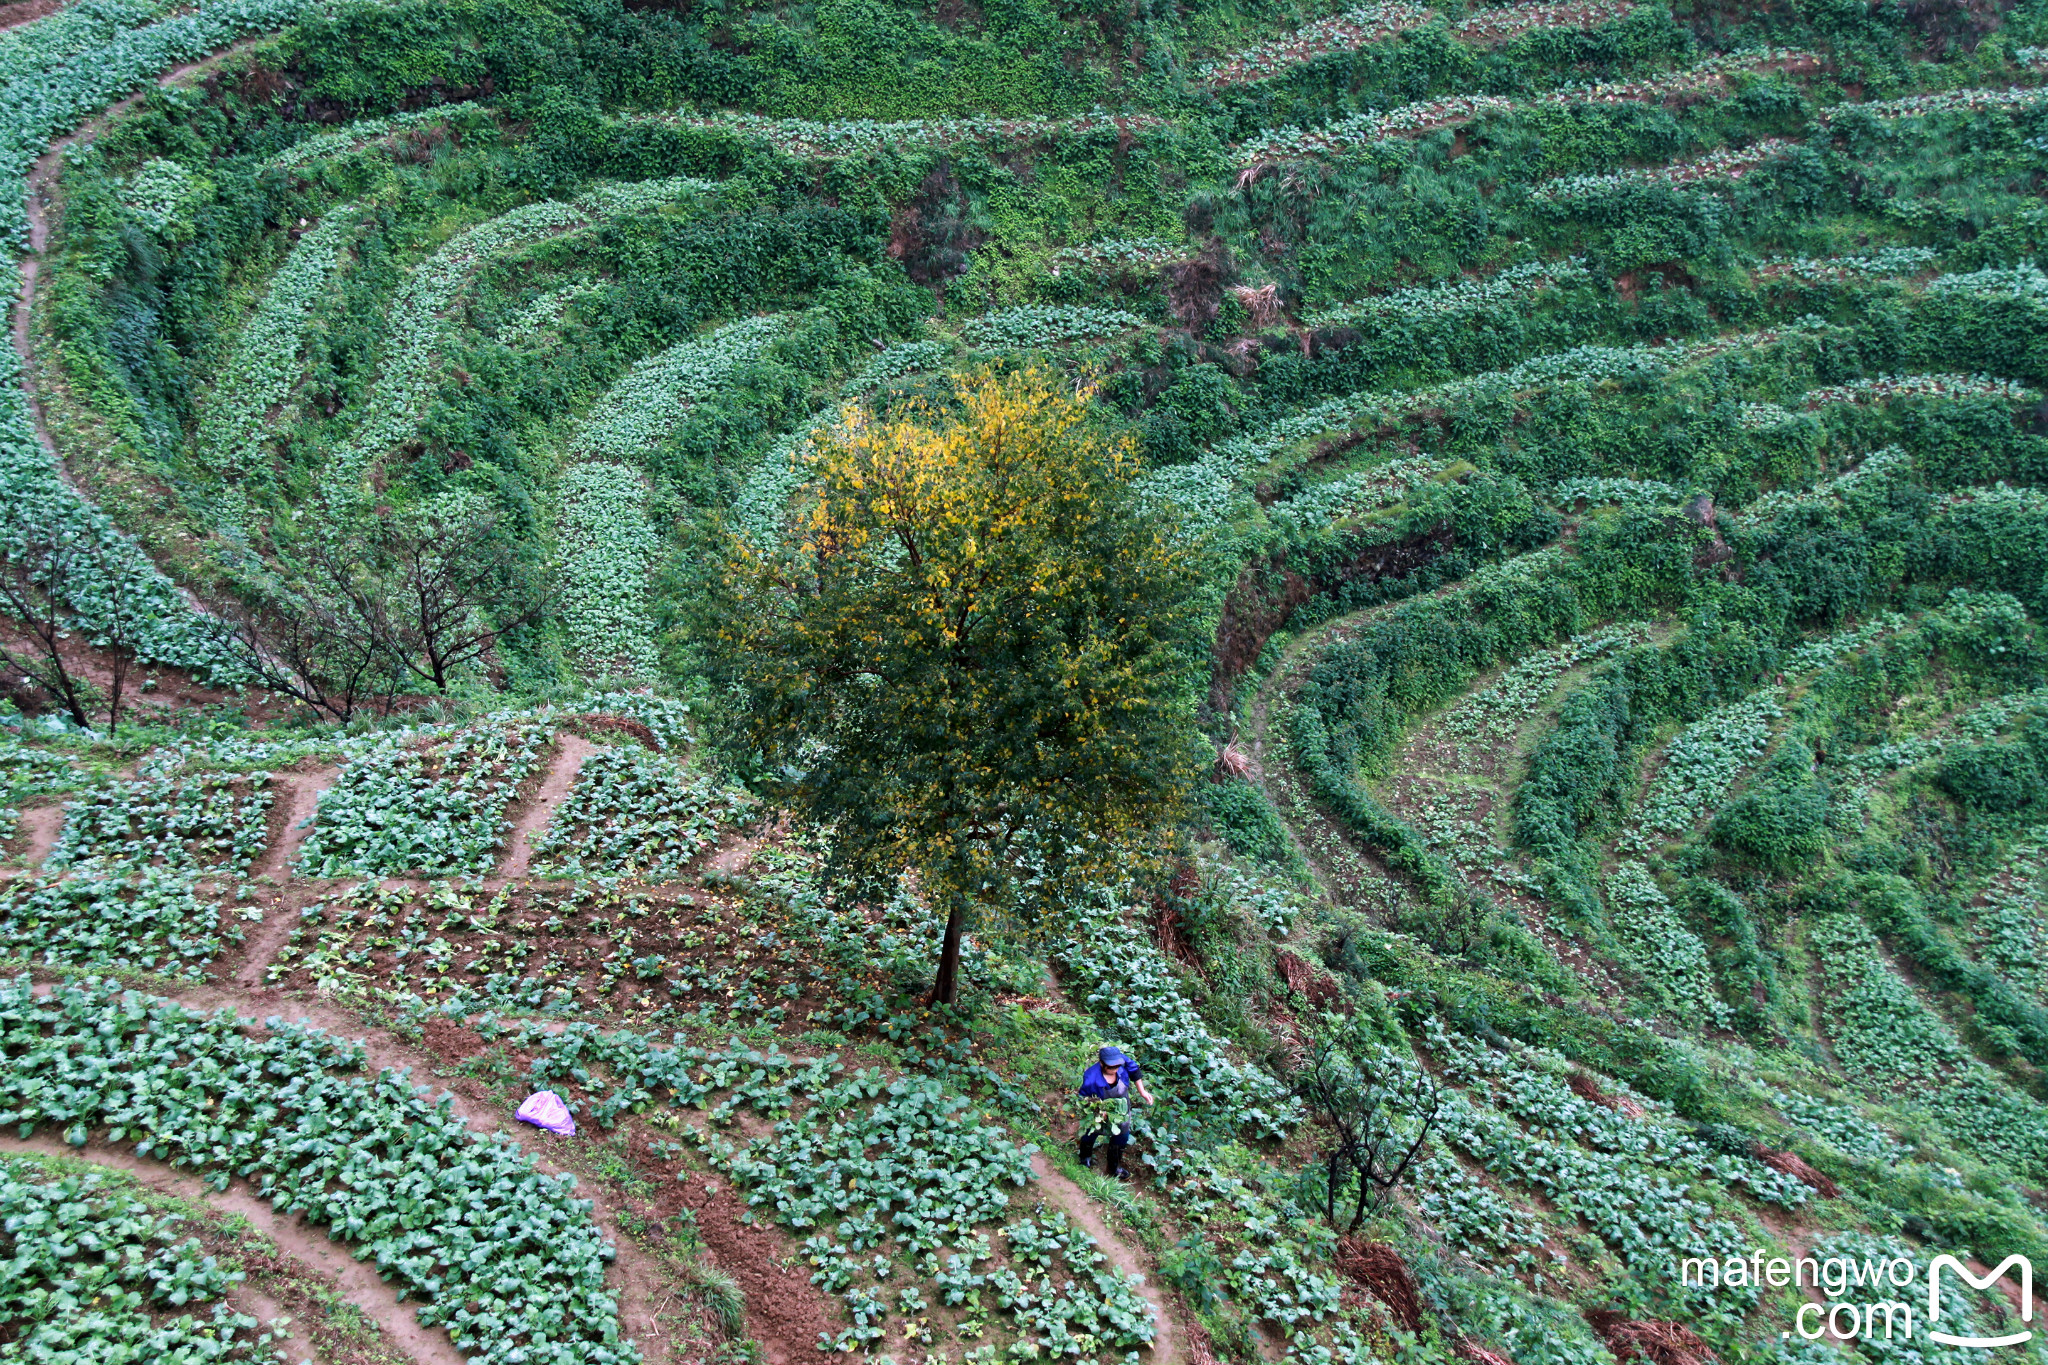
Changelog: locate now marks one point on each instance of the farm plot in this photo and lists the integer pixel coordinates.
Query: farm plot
(608, 548)
(670, 953)
(1635, 1173)
(1367, 24)
(1341, 33)
(1892, 1043)
(1453, 778)
(636, 814)
(435, 805)
(119, 919)
(95, 1272)
(1699, 767)
(234, 430)
(2011, 930)
(110, 584)
(644, 407)
(204, 822)
(419, 325)
(904, 1192)
(499, 1254)
(814, 140)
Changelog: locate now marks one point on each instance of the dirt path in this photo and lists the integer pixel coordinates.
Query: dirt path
(262, 942)
(570, 751)
(298, 796)
(42, 177)
(785, 1313)
(1075, 1203)
(40, 824)
(245, 1298)
(290, 811)
(303, 1242)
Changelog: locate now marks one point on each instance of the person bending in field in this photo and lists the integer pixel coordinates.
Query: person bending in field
(1106, 1107)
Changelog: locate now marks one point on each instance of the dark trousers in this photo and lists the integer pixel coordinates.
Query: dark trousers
(1118, 1140)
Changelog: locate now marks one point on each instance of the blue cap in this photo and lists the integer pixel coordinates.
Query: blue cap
(1110, 1056)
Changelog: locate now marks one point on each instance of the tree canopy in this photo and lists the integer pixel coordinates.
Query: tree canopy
(975, 651)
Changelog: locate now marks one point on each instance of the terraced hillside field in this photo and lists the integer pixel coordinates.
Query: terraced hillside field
(1600, 450)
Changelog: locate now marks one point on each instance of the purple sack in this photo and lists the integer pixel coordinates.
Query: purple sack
(544, 1109)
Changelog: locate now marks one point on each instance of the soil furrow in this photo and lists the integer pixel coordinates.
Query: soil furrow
(534, 813)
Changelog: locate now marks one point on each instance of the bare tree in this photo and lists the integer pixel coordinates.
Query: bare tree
(453, 588)
(1380, 1114)
(317, 647)
(416, 596)
(321, 635)
(39, 574)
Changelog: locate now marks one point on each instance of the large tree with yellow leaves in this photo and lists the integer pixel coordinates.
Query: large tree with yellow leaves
(973, 656)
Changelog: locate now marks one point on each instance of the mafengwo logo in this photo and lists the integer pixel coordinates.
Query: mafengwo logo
(1847, 1316)
(2026, 1269)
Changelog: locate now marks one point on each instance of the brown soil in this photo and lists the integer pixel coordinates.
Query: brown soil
(1662, 1343)
(262, 941)
(732, 855)
(169, 690)
(1588, 1089)
(785, 1312)
(21, 11)
(532, 814)
(1798, 1169)
(302, 1242)
(296, 795)
(1380, 1270)
(1266, 597)
(245, 1298)
(1314, 985)
(604, 725)
(1468, 1349)
(40, 825)
(1262, 600)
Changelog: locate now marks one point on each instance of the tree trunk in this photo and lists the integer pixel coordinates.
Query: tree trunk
(118, 670)
(1364, 1188)
(946, 990)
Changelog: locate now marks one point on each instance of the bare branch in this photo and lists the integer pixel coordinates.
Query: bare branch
(1368, 1145)
(36, 575)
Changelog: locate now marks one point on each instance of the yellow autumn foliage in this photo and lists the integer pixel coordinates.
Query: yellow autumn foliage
(974, 642)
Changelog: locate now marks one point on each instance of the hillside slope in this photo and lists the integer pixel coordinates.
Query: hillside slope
(1613, 435)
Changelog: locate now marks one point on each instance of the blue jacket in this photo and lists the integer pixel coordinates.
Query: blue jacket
(1094, 1087)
